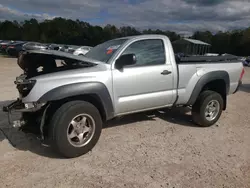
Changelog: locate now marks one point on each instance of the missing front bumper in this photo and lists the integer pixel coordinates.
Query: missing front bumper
(14, 106)
(33, 114)
(19, 106)
(9, 109)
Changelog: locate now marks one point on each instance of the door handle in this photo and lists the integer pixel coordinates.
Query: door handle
(166, 72)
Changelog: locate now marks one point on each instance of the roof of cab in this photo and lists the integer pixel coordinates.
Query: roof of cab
(147, 36)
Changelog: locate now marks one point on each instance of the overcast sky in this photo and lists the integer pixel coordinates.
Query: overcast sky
(182, 16)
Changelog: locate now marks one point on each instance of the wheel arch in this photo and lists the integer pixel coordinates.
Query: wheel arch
(218, 81)
(94, 92)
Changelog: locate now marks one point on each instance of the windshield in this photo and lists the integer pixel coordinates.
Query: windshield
(104, 51)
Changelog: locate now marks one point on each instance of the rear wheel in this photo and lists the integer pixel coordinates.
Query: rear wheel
(75, 128)
(207, 109)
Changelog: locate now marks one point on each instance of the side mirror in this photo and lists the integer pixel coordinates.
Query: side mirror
(124, 60)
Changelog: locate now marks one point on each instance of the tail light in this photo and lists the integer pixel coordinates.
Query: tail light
(11, 46)
(3, 46)
(242, 73)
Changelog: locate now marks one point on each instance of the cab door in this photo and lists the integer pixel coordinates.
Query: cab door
(146, 85)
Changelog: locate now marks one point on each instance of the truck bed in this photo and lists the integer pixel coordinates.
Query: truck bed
(191, 72)
(213, 59)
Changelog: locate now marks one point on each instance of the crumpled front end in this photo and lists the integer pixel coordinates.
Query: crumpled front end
(32, 116)
(31, 113)
(45, 71)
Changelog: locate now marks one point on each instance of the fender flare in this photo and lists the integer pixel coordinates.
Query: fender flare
(83, 88)
(205, 79)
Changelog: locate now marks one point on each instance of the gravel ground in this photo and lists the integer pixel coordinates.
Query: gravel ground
(154, 149)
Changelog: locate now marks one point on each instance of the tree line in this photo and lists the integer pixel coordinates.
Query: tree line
(76, 32)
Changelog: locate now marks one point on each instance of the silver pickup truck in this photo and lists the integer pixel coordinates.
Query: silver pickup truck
(66, 98)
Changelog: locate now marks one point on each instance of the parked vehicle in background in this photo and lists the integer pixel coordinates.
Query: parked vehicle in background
(15, 48)
(72, 48)
(3, 42)
(4, 45)
(246, 61)
(54, 46)
(82, 50)
(34, 46)
(63, 48)
(123, 76)
(211, 54)
(69, 48)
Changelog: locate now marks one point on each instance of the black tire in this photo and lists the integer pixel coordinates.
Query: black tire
(80, 55)
(59, 127)
(198, 109)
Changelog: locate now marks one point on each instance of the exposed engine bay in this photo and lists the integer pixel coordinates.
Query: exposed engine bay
(35, 64)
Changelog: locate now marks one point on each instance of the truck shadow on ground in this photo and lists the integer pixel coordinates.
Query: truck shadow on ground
(29, 142)
(245, 88)
(177, 116)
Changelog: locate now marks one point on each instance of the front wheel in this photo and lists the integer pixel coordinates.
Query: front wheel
(207, 109)
(75, 128)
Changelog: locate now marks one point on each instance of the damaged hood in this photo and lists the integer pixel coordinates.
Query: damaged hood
(54, 54)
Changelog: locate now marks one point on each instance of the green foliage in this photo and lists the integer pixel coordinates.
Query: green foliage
(76, 32)
(67, 31)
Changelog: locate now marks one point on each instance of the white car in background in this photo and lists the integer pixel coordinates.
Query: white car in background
(82, 50)
(211, 54)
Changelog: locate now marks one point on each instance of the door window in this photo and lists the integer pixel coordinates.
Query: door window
(148, 52)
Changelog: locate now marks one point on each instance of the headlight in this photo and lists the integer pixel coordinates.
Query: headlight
(24, 86)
